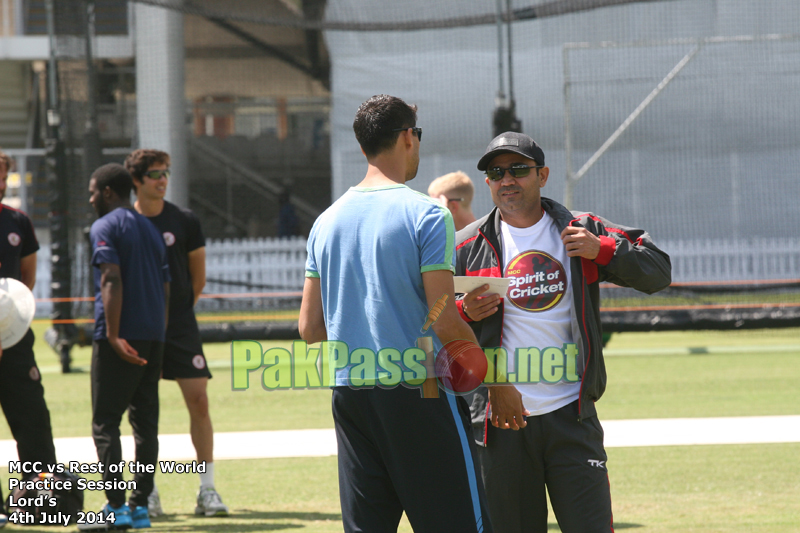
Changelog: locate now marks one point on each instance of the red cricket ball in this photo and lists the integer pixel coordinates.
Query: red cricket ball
(461, 366)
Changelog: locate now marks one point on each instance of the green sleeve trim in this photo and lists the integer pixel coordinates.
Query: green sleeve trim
(443, 266)
(312, 274)
(450, 233)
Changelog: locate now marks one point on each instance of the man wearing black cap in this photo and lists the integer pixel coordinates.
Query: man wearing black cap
(131, 280)
(548, 328)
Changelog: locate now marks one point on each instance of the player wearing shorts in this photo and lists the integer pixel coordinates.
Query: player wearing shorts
(184, 360)
(378, 259)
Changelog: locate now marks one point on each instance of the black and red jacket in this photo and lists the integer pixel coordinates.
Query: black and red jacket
(627, 258)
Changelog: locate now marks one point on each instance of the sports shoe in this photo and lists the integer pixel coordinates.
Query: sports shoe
(209, 503)
(3, 520)
(154, 504)
(122, 519)
(140, 517)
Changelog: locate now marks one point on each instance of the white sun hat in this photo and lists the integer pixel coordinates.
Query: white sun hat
(17, 307)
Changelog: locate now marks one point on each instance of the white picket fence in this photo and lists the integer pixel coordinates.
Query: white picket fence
(232, 266)
(278, 265)
(255, 265)
(732, 259)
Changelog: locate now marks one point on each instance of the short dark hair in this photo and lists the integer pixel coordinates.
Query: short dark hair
(140, 160)
(115, 176)
(377, 117)
(5, 159)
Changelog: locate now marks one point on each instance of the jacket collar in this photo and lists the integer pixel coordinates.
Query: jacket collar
(560, 214)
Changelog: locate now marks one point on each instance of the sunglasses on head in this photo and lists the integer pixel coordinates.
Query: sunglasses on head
(157, 174)
(415, 131)
(516, 171)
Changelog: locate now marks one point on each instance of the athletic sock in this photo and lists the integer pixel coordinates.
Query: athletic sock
(207, 479)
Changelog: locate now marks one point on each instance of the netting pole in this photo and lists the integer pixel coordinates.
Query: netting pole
(160, 95)
(501, 95)
(569, 183)
(92, 150)
(56, 163)
(504, 117)
(509, 15)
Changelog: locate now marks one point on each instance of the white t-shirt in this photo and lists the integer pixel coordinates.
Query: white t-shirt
(537, 329)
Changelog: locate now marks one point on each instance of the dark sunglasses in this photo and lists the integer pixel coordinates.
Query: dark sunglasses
(157, 174)
(516, 171)
(416, 131)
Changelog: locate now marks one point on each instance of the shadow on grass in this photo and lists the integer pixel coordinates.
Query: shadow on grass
(221, 527)
(238, 521)
(617, 525)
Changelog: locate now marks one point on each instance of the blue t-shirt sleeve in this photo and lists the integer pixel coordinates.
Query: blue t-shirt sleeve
(437, 233)
(311, 263)
(103, 246)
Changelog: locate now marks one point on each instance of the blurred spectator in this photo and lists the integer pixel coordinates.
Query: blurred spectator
(287, 217)
(455, 190)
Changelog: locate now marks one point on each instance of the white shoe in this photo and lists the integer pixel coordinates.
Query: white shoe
(209, 503)
(154, 504)
(3, 520)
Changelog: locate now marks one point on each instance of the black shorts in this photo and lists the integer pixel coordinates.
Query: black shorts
(182, 363)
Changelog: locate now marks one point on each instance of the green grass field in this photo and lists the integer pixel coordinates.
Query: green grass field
(735, 488)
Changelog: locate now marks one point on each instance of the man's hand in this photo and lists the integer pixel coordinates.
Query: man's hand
(507, 409)
(478, 307)
(126, 351)
(580, 242)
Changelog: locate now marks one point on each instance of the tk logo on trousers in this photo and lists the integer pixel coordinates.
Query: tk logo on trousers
(598, 464)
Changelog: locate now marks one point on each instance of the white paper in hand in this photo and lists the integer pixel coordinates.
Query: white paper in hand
(465, 284)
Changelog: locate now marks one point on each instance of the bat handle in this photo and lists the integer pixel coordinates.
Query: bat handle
(430, 389)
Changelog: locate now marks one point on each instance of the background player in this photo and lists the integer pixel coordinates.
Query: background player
(455, 190)
(131, 279)
(184, 361)
(21, 391)
(378, 259)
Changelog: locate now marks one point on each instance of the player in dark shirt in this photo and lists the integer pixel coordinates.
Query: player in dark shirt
(21, 391)
(131, 279)
(184, 361)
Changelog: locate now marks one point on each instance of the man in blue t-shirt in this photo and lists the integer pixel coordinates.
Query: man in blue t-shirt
(378, 259)
(131, 280)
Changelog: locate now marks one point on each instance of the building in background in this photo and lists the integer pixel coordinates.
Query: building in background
(256, 106)
(673, 113)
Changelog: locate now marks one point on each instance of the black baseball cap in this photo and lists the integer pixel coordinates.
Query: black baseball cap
(511, 141)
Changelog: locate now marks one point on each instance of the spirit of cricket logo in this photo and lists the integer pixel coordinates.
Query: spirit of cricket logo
(326, 365)
(538, 281)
